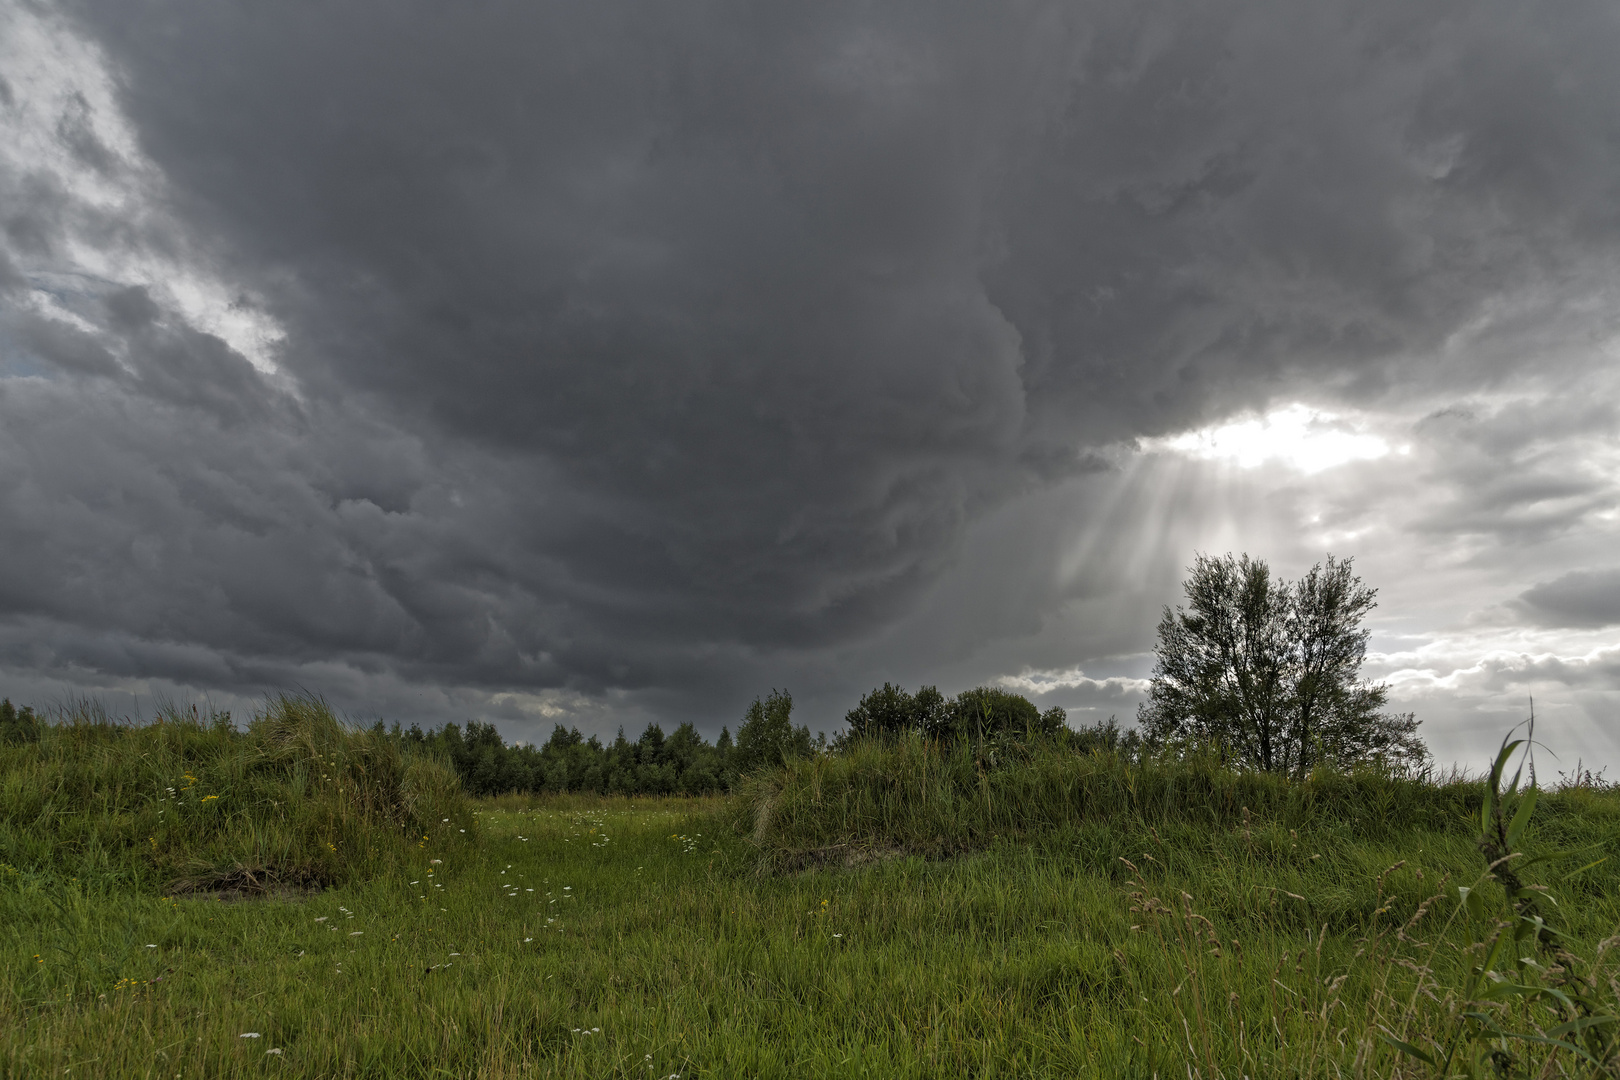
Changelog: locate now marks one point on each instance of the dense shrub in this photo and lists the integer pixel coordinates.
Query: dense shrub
(17, 725)
(983, 713)
(767, 738)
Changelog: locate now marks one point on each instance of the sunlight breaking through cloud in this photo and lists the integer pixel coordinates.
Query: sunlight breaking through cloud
(1309, 440)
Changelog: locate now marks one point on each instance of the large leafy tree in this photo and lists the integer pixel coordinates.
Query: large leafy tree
(1270, 670)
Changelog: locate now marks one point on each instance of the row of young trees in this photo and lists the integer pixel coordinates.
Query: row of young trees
(681, 763)
(684, 763)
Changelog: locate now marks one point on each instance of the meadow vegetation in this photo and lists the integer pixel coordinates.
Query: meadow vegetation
(1051, 906)
(189, 802)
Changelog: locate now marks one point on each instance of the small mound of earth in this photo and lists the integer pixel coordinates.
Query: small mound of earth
(846, 856)
(248, 883)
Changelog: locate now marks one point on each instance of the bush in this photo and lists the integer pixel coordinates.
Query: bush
(767, 738)
(983, 713)
(931, 798)
(17, 726)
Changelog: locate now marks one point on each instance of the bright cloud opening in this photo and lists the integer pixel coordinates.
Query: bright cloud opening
(1045, 682)
(62, 125)
(1298, 436)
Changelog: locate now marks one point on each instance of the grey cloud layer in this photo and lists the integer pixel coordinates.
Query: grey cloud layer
(1580, 598)
(662, 348)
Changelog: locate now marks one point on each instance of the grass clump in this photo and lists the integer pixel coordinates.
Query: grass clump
(1100, 916)
(916, 795)
(595, 937)
(1362, 923)
(188, 802)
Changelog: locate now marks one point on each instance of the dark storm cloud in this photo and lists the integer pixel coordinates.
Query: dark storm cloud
(1580, 598)
(658, 348)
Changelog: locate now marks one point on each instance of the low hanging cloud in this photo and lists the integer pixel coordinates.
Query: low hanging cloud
(1041, 683)
(622, 361)
(1580, 598)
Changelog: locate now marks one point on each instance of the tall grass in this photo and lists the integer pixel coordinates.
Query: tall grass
(188, 801)
(1098, 917)
(931, 798)
(1425, 951)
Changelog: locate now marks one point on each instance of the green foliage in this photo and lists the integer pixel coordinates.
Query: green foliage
(1399, 978)
(919, 795)
(986, 712)
(890, 711)
(767, 739)
(682, 763)
(191, 802)
(983, 713)
(1533, 996)
(1267, 934)
(1104, 738)
(1267, 671)
(17, 726)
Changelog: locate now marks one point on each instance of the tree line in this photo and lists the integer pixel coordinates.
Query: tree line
(1261, 671)
(680, 763)
(684, 763)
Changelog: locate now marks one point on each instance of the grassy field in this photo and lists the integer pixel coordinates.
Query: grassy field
(573, 936)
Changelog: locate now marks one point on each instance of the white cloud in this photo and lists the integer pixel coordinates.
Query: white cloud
(62, 130)
(1505, 670)
(1046, 682)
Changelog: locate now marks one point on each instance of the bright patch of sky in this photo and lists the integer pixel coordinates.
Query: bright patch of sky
(1495, 497)
(62, 129)
(1045, 682)
(1309, 440)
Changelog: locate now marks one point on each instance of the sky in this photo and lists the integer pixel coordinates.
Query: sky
(614, 363)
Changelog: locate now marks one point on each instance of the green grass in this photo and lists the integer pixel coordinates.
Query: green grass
(187, 802)
(1118, 941)
(913, 795)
